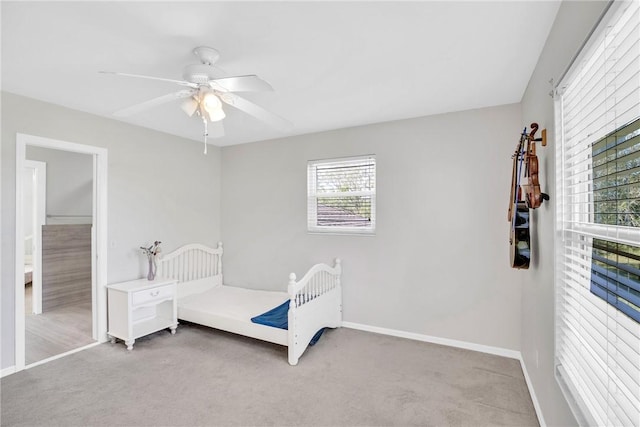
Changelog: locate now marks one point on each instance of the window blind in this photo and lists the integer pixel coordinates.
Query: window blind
(597, 278)
(341, 195)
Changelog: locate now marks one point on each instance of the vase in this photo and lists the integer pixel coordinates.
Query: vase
(152, 271)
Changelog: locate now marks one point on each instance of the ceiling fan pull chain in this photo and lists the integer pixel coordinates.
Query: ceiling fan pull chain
(206, 133)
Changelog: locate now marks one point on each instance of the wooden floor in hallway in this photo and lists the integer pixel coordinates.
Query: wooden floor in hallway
(55, 331)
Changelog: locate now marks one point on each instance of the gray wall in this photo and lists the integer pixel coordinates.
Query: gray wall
(159, 187)
(573, 23)
(439, 262)
(69, 184)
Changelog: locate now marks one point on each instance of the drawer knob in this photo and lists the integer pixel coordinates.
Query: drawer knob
(155, 293)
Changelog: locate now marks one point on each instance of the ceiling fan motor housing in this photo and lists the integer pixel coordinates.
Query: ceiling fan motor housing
(203, 72)
(207, 55)
(199, 73)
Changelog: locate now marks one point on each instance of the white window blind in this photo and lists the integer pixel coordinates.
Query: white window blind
(598, 222)
(341, 195)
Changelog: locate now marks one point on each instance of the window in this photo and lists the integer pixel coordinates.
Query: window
(615, 276)
(341, 195)
(597, 329)
(615, 267)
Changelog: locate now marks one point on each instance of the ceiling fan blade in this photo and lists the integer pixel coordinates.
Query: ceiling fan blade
(162, 79)
(256, 111)
(250, 83)
(134, 109)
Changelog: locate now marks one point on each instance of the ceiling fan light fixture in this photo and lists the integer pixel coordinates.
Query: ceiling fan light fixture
(212, 105)
(189, 106)
(211, 102)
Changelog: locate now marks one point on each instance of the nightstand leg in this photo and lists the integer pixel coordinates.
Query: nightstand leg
(173, 329)
(129, 344)
(112, 339)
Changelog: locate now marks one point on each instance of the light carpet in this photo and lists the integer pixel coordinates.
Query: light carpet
(204, 377)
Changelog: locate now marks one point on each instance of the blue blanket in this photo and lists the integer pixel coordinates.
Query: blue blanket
(279, 318)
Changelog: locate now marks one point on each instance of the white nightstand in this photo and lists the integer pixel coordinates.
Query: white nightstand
(140, 307)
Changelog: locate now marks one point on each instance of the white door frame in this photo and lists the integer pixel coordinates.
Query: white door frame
(99, 231)
(38, 219)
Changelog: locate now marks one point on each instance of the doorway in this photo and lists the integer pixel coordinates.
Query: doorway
(91, 256)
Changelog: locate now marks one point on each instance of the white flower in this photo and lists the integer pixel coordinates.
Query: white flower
(152, 250)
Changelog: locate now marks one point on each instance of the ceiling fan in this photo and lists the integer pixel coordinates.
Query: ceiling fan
(204, 94)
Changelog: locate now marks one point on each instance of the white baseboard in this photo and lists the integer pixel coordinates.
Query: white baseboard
(498, 351)
(7, 371)
(532, 392)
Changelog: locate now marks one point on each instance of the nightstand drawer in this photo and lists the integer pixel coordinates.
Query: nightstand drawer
(150, 295)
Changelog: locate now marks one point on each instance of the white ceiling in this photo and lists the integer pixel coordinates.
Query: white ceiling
(332, 64)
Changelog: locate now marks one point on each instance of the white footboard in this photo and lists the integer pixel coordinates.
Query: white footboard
(315, 303)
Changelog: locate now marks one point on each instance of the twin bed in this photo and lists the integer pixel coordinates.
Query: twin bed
(310, 304)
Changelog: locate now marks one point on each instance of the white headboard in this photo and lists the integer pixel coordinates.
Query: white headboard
(191, 263)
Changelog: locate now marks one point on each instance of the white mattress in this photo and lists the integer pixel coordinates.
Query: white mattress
(232, 302)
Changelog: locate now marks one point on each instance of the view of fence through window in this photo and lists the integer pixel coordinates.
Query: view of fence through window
(342, 195)
(615, 268)
(345, 202)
